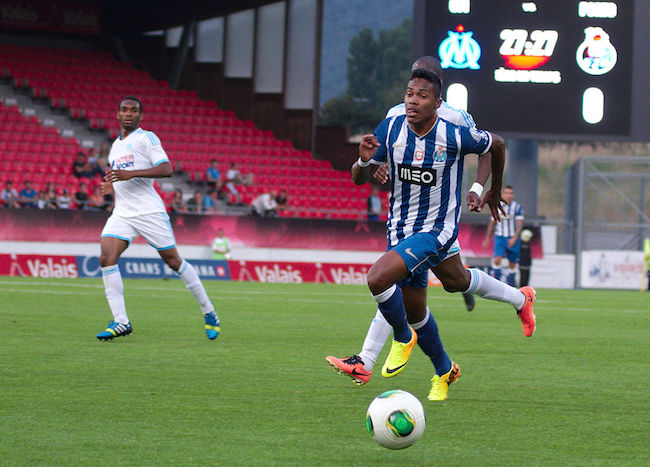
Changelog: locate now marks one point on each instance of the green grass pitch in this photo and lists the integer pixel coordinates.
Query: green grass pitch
(576, 393)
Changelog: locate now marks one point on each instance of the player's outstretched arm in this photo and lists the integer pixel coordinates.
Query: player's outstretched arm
(473, 198)
(160, 171)
(367, 149)
(493, 196)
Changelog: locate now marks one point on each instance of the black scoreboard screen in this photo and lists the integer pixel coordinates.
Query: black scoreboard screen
(535, 67)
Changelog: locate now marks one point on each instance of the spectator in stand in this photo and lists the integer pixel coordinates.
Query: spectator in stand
(41, 201)
(27, 197)
(97, 201)
(235, 177)
(51, 197)
(81, 196)
(210, 203)
(64, 200)
(282, 201)
(177, 203)
(9, 196)
(220, 246)
(195, 205)
(82, 168)
(213, 176)
(374, 205)
(264, 205)
(104, 150)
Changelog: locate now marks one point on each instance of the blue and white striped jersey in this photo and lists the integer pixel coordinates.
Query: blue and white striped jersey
(508, 225)
(426, 175)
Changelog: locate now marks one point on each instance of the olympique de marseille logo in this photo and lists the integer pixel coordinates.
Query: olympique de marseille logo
(459, 50)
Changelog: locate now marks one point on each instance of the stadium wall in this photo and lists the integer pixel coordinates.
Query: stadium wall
(66, 244)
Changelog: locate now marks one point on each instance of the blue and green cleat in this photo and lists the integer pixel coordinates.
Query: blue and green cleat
(212, 325)
(115, 329)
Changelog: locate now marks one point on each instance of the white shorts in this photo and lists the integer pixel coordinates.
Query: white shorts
(155, 228)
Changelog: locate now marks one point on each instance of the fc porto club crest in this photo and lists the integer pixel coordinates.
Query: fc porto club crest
(596, 55)
(440, 155)
(459, 50)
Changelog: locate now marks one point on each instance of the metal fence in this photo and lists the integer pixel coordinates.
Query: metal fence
(607, 205)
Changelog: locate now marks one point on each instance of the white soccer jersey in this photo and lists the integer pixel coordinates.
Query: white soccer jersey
(508, 225)
(138, 151)
(445, 111)
(426, 175)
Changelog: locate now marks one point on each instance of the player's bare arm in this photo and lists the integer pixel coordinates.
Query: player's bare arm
(106, 187)
(519, 225)
(493, 196)
(381, 174)
(160, 171)
(473, 199)
(488, 234)
(367, 150)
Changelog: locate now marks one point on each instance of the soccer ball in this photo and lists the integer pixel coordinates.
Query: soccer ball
(395, 419)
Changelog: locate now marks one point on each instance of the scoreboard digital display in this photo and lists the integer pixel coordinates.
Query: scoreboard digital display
(547, 67)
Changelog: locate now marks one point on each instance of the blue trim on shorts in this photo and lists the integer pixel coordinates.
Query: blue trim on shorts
(118, 237)
(163, 248)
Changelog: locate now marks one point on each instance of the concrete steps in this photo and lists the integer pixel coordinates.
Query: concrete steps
(60, 119)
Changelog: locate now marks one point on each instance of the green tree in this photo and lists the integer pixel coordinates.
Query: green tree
(377, 70)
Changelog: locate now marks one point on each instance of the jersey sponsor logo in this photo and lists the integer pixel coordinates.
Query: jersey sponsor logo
(123, 162)
(417, 175)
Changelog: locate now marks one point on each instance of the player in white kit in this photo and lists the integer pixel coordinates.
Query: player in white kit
(136, 159)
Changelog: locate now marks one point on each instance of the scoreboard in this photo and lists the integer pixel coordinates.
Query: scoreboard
(546, 68)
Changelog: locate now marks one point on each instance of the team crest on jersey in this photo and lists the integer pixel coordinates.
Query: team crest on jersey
(419, 155)
(123, 162)
(441, 154)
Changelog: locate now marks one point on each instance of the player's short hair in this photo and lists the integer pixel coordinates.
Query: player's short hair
(509, 187)
(429, 76)
(130, 98)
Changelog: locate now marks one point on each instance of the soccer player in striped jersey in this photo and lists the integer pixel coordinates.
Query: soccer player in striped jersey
(414, 288)
(506, 236)
(135, 159)
(425, 155)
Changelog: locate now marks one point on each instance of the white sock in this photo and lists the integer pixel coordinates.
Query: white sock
(419, 324)
(194, 284)
(114, 289)
(378, 332)
(488, 287)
